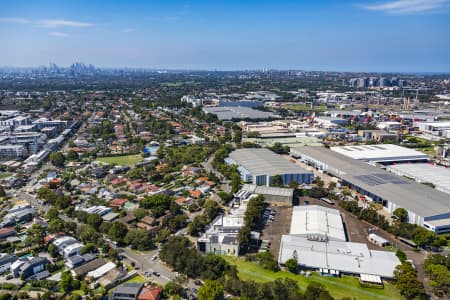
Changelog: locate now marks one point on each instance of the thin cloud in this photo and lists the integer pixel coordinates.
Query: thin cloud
(409, 6)
(14, 20)
(58, 34)
(127, 30)
(55, 23)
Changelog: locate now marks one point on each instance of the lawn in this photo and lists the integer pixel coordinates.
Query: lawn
(137, 279)
(339, 287)
(124, 160)
(4, 175)
(305, 107)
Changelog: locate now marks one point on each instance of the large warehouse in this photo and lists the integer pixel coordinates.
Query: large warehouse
(237, 113)
(426, 206)
(271, 194)
(336, 257)
(319, 222)
(425, 173)
(317, 238)
(383, 153)
(259, 166)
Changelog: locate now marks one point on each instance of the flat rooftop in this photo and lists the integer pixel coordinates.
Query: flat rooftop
(236, 112)
(265, 162)
(313, 220)
(423, 200)
(422, 172)
(381, 153)
(348, 257)
(268, 190)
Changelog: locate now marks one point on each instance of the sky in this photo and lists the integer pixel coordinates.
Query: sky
(344, 35)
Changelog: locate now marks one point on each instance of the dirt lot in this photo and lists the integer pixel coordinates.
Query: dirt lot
(279, 226)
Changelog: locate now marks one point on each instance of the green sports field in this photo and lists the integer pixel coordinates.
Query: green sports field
(124, 160)
(339, 287)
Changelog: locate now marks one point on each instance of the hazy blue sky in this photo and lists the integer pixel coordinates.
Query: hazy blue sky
(365, 35)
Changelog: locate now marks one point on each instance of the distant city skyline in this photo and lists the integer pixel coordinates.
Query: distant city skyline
(356, 36)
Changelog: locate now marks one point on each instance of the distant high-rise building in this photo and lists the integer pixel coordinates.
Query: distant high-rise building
(363, 83)
(373, 81)
(384, 82)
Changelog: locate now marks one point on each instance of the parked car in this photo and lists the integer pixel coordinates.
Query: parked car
(156, 274)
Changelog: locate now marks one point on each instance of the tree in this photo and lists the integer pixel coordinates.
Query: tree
(440, 279)
(89, 247)
(319, 182)
(140, 213)
(139, 238)
(173, 288)
(401, 255)
(2, 192)
(65, 284)
(277, 181)
(72, 155)
(401, 214)
(88, 234)
(117, 231)
(331, 186)
(317, 291)
(293, 185)
(53, 251)
(57, 159)
(211, 290)
(407, 282)
(95, 220)
(292, 265)
(52, 213)
(235, 182)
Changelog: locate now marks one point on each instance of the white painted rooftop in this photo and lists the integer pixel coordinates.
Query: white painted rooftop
(380, 153)
(437, 175)
(311, 220)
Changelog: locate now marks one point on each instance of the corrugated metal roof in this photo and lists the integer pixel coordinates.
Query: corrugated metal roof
(265, 162)
(423, 200)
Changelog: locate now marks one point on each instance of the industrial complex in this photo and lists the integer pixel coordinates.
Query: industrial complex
(426, 206)
(236, 112)
(383, 153)
(318, 222)
(318, 241)
(259, 166)
(437, 176)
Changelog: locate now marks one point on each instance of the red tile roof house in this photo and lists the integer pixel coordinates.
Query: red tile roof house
(150, 293)
(6, 232)
(118, 181)
(195, 193)
(201, 180)
(118, 202)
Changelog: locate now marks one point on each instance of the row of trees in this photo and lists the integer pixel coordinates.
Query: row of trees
(253, 221)
(419, 235)
(407, 283)
(180, 254)
(219, 277)
(437, 268)
(211, 210)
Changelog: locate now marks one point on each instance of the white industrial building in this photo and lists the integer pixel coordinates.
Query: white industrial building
(337, 257)
(271, 194)
(426, 206)
(319, 222)
(259, 166)
(425, 173)
(435, 128)
(383, 153)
